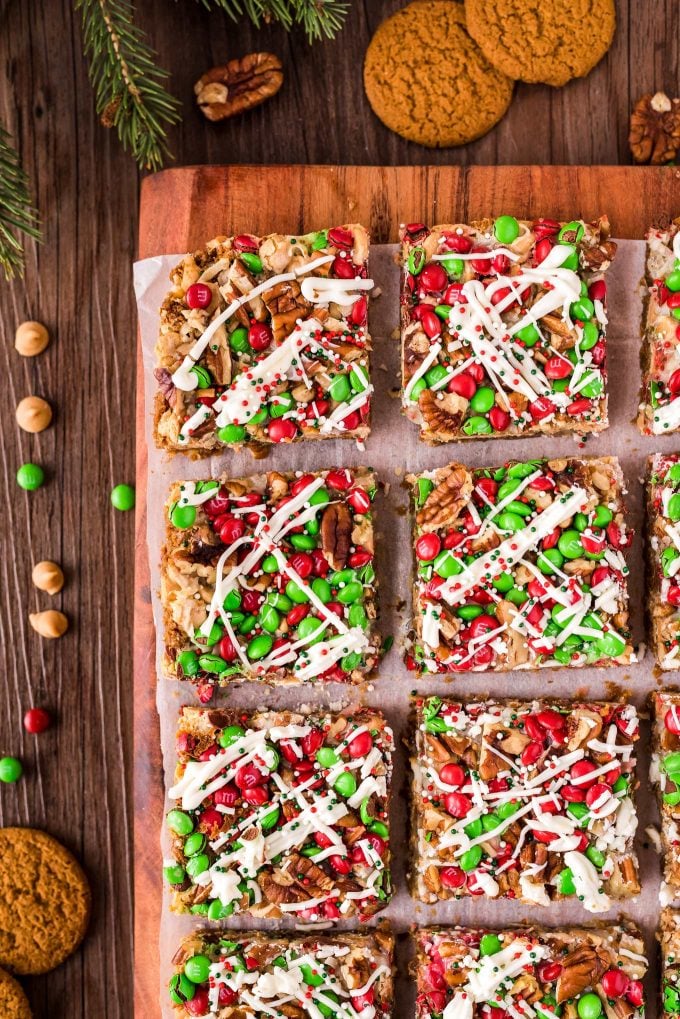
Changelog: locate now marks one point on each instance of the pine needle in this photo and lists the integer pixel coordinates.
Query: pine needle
(18, 215)
(319, 18)
(127, 80)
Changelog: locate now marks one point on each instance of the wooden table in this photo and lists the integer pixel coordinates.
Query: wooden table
(78, 779)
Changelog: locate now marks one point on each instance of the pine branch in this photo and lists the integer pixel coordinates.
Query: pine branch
(319, 18)
(17, 213)
(127, 80)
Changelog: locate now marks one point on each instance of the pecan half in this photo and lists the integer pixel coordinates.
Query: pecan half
(336, 534)
(286, 305)
(451, 493)
(239, 85)
(166, 385)
(655, 129)
(581, 968)
(443, 414)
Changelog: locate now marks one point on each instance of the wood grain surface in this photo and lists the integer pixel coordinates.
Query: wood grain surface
(78, 780)
(213, 199)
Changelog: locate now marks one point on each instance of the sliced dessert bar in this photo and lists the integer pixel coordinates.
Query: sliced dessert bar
(520, 567)
(281, 814)
(476, 973)
(669, 939)
(256, 974)
(270, 578)
(663, 557)
(503, 327)
(665, 777)
(659, 411)
(264, 340)
(527, 801)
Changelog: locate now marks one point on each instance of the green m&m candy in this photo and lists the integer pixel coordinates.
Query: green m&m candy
(213, 664)
(483, 400)
(506, 229)
(259, 647)
(529, 335)
(453, 266)
(569, 544)
(310, 976)
(231, 433)
(181, 989)
(281, 403)
(194, 844)
(310, 629)
(345, 784)
(182, 516)
(490, 944)
(470, 858)
(564, 882)
(589, 1006)
(435, 374)
(269, 619)
(671, 764)
(179, 822)
(590, 336)
(571, 233)
(508, 521)
(122, 497)
(446, 565)
(202, 375)
(296, 593)
(326, 757)
(340, 389)
(198, 864)
(174, 874)
(231, 734)
(477, 425)
(611, 645)
(238, 340)
(31, 476)
(188, 662)
(673, 509)
(11, 770)
(197, 968)
(270, 819)
(252, 262)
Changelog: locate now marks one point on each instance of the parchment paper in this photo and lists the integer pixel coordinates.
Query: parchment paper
(393, 449)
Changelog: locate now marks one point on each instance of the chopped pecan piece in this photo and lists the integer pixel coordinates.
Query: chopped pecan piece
(443, 415)
(655, 129)
(239, 85)
(336, 534)
(581, 968)
(447, 499)
(286, 305)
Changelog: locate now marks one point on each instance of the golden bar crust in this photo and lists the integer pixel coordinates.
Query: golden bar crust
(270, 578)
(281, 814)
(663, 557)
(265, 340)
(232, 973)
(475, 973)
(526, 801)
(659, 411)
(520, 567)
(504, 337)
(664, 773)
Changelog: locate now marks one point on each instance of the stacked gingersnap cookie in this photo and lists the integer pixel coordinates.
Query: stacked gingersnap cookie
(441, 72)
(44, 911)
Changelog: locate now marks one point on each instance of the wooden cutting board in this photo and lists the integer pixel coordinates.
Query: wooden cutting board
(183, 208)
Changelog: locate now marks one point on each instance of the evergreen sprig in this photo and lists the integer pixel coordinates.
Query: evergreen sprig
(319, 18)
(18, 217)
(128, 83)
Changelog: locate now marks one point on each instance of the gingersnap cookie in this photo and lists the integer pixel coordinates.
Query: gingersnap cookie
(426, 79)
(549, 41)
(13, 1001)
(44, 901)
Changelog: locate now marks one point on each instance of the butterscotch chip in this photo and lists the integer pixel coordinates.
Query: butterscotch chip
(549, 41)
(13, 1002)
(44, 902)
(33, 414)
(427, 79)
(31, 338)
(50, 624)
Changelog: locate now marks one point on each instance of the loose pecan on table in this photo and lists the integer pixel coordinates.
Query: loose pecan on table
(655, 129)
(239, 85)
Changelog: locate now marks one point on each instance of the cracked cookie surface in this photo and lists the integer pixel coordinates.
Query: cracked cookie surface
(428, 81)
(551, 42)
(44, 901)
